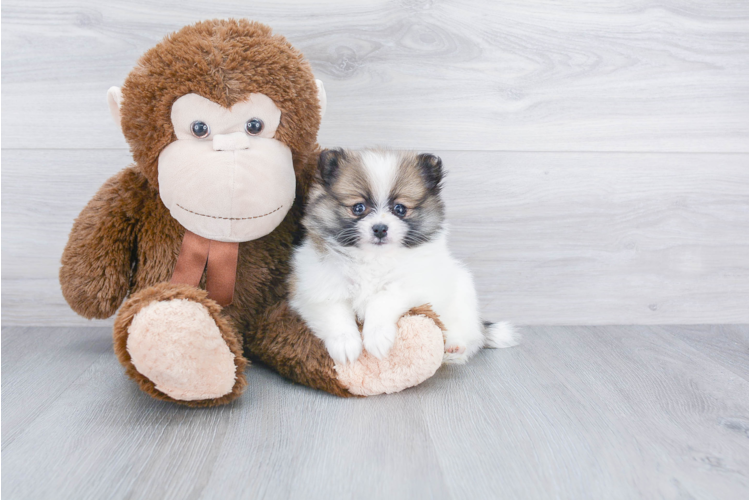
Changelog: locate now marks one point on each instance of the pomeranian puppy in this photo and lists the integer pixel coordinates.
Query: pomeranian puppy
(375, 247)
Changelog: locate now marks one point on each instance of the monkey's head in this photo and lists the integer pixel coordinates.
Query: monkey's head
(220, 117)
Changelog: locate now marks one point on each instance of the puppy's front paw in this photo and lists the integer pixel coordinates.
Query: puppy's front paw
(345, 347)
(379, 338)
(455, 358)
(455, 353)
(455, 348)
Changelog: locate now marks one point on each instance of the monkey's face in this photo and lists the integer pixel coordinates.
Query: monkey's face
(225, 177)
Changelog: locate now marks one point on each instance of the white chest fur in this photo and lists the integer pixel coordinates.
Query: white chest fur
(421, 275)
(330, 289)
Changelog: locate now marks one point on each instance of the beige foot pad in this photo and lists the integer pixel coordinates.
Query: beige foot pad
(178, 346)
(415, 356)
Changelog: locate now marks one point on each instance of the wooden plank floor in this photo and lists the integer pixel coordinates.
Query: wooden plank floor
(574, 412)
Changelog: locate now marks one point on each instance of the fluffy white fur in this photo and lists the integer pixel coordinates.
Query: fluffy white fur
(377, 281)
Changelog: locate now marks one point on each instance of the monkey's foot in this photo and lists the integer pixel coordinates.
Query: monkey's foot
(416, 355)
(177, 345)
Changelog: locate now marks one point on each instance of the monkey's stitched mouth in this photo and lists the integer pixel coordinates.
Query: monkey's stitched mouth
(230, 218)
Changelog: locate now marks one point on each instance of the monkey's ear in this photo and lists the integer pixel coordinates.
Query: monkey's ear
(322, 99)
(328, 165)
(431, 168)
(114, 99)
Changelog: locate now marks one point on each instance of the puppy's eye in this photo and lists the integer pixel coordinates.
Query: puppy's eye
(199, 129)
(399, 210)
(254, 126)
(359, 209)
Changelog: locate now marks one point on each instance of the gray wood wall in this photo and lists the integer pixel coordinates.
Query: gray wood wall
(597, 152)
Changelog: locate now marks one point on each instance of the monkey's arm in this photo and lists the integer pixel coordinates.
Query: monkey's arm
(282, 340)
(97, 261)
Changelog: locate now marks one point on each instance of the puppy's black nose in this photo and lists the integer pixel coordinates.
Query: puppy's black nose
(380, 230)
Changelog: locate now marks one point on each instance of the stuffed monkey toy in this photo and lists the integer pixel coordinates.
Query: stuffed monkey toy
(196, 236)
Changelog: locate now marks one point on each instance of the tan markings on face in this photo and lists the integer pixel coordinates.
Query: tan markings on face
(351, 185)
(409, 188)
(318, 242)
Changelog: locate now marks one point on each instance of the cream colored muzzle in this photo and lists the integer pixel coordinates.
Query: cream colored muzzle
(233, 188)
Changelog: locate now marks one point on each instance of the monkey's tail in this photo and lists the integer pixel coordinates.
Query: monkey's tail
(500, 334)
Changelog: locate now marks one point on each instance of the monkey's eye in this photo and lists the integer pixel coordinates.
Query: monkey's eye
(359, 209)
(399, 210)
(254, 126)
(199, 129)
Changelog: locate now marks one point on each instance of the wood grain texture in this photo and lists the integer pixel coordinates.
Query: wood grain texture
(573, 412)
(552, 238)
(557, 237)
(459, 75)
(725, 344)
(612, 238)
(27, 389)
(595, 398)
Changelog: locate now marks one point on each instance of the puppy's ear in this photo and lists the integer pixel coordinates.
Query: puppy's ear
(431, 168)
(328, 165)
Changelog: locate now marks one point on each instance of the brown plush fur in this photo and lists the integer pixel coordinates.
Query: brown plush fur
(223, 61)
(125, 242)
